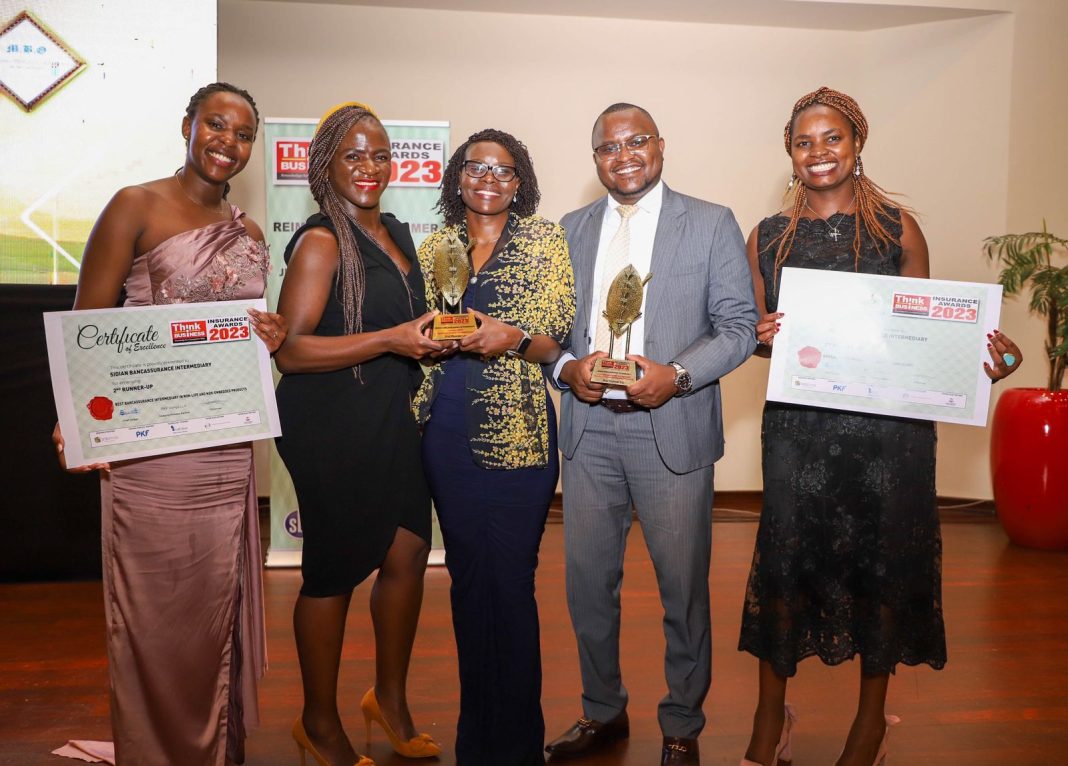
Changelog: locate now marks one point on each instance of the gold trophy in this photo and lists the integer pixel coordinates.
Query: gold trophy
(623, 308)
(451, 272)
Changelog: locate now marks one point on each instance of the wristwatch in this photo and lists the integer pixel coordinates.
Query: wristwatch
(683, 381)
(522, 346)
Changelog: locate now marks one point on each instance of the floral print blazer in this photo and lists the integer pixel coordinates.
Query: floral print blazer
(527, 283)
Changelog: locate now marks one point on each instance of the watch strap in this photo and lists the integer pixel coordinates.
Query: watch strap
(683, 381)
(522, 346)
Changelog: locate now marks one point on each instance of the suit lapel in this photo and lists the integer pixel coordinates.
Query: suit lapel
(665, 250)
(588, 238)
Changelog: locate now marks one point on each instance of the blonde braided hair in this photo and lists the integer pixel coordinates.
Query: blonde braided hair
(351, 272)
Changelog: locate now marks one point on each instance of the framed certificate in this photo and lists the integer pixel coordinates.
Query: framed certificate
(150, 380)
(885, 345)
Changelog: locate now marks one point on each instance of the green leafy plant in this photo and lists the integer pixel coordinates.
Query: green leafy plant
(1028, 260)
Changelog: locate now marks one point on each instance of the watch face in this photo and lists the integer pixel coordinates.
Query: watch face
(521, 349)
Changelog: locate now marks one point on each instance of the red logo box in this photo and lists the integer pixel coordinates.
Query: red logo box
(291, 159)
(916, 305)
(189, 332)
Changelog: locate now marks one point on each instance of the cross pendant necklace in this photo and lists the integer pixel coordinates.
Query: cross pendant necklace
(833, 233)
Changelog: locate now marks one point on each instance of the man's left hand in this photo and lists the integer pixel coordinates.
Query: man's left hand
(655, 386)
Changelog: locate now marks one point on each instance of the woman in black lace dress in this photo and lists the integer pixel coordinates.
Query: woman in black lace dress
(848, 554)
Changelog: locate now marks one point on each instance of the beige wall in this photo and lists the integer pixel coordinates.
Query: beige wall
(953, 108)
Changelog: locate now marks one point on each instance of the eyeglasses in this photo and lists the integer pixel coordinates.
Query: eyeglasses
(634, 143)
(475, 169)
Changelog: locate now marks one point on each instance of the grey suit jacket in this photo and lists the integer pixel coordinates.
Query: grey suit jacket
(699, 312)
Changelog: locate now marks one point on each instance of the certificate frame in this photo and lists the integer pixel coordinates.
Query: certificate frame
(139, 381)
(884, 345)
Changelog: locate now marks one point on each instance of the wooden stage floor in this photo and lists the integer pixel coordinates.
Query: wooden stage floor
(1002, 699)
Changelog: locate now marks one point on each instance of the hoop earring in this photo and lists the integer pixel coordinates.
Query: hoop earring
(858, 169)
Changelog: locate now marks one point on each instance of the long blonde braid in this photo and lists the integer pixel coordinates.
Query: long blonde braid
(351, 272)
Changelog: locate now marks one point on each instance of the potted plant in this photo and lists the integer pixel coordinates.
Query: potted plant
(1029, 439)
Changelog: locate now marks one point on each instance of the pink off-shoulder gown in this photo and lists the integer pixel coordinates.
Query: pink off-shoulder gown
(182, 582)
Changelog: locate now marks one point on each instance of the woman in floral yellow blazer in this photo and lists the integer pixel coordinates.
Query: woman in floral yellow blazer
(489, 439)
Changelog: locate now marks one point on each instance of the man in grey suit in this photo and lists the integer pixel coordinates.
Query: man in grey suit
(652, 445)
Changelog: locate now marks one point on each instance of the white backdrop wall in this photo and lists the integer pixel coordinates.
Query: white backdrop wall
(954, 108)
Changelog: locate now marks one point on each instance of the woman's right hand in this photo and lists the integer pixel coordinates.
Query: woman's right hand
(767, 327)
(57, 439)
(411, 340)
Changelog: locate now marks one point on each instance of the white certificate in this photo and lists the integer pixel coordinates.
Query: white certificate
(150, 380)
(885, 345)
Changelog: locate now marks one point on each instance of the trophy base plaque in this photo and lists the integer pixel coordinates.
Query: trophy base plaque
(614, 372)
(453, 326)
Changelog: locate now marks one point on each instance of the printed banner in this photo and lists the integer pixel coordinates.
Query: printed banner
(899, 346)
(151, 380)
(420, 149)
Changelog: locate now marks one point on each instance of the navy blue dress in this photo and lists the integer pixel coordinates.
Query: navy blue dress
(492, 523)
(489, 451)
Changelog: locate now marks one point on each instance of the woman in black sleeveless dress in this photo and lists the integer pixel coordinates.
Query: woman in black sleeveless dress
(354, 297)
(849, 553)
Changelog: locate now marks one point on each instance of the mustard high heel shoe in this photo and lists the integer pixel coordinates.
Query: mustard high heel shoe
(783, 751)
(419, 746)
(304, 747)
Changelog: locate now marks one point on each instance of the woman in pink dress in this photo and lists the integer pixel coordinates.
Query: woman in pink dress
(181, 553)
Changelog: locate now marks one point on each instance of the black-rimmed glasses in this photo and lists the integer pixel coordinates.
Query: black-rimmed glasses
(634, 143)
(475, 169)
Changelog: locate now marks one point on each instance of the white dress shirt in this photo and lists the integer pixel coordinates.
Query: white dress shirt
(642, 233)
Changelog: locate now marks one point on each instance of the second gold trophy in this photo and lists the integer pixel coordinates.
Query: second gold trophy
(623, 308)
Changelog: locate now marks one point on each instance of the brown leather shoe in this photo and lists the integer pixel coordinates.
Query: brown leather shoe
(678, 751)
(588, 736)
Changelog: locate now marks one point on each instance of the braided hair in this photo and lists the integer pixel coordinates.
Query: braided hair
(351, 272)
(527, 196)
(873, 204)
(220, 87)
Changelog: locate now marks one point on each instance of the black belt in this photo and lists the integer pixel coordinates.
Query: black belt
(621, 405)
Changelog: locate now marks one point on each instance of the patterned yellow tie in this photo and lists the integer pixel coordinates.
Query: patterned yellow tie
(615, 260)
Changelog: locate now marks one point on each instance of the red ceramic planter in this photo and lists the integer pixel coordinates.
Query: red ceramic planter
(1029, 466)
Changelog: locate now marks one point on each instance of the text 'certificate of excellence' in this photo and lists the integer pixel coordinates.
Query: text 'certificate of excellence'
(150, 380)
(899, 346)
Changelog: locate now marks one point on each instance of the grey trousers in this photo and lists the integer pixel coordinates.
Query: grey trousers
(617, 465)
